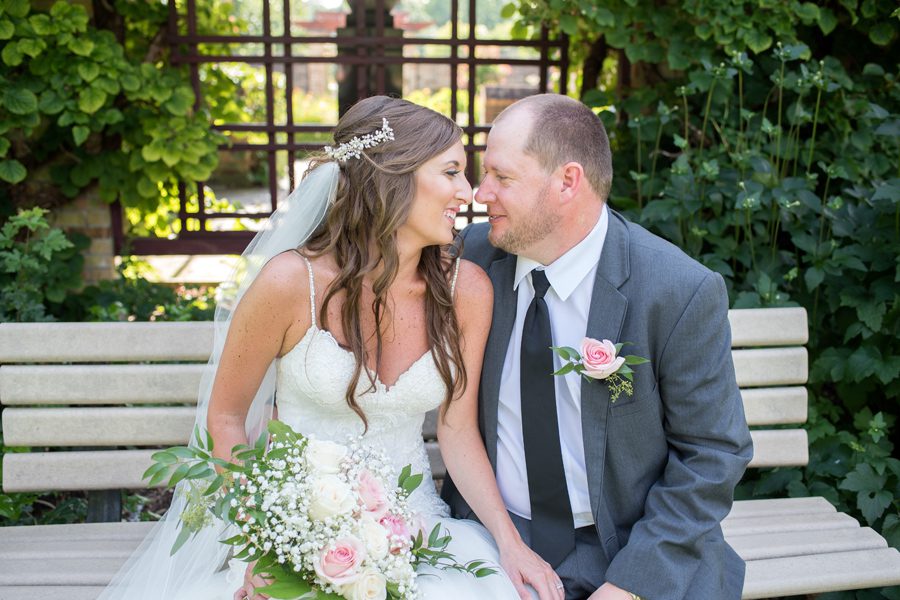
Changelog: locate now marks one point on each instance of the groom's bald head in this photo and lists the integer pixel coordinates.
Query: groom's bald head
(565, 130)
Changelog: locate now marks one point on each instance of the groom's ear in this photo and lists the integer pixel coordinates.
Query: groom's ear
(571, 180)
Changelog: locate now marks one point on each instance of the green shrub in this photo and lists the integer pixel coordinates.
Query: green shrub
(38, 266)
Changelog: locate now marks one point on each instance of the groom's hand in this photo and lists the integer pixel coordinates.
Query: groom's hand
(524, 567)
(608, 591)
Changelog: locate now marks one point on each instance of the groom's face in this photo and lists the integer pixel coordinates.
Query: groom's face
(516, 190)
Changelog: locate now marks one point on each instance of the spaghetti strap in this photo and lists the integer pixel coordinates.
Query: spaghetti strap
(455, 275)
(312, 290)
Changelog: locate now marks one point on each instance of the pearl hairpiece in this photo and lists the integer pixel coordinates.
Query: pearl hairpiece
(354, 147)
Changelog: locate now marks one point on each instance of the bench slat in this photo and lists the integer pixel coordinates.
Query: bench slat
(775, 405)
(99, 384)
(105, 342)
(121, 531)
(69, 592)
(132, 426)
(154, 384)
(752, 327)
(779, 448)
(798, 575)
(765, 367)
(59, 571)
(71, 471)
(769, 507)
(784, 523)
(799, 543)
(135, 342)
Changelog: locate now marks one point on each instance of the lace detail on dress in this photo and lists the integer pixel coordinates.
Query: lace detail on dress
(311, 382)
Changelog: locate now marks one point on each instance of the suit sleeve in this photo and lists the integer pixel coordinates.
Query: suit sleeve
(708, 449)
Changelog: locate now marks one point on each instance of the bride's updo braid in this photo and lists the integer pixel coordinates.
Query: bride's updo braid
(373, 200)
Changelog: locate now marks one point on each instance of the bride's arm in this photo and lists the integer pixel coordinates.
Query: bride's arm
(274, 307)
(463, 449)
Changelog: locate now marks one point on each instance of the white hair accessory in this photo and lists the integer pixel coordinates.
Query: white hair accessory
(353, 148)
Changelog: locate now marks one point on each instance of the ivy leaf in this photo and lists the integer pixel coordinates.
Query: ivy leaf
(757, 40)
(130, 83)
(508, 10)
(81, 46)
(20, 101)
(569, 24)
(4, 146)
(11, 55)
(827, 21)
(872, 314)
(863, 479)
(88, 71)
(90, 100)
(7, 29)
(882, 33)
(180, 102)
(80, 133)
(17, 8)
(12, 171)
(50, 103)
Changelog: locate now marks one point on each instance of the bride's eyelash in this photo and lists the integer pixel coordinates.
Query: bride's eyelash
(453, 173)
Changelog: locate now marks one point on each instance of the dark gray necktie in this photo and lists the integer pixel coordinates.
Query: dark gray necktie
(552, 528)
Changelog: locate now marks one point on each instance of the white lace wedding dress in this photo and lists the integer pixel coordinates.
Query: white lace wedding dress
(311, 382)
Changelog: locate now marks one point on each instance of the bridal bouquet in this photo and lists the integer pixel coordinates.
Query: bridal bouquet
(318, 518)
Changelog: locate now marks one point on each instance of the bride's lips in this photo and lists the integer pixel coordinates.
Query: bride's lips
(450, 215)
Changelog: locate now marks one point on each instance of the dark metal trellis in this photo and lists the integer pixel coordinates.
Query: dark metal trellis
(369, 49)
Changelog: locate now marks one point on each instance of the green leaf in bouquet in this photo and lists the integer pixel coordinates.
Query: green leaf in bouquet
(433, 536)
(214, 485)
(234, 540)
(262, 442)
(182, 452)
(165, 457)
(411, 483)
(183, 536)
(264, 564)
(199, 470)
(278, 453)
(287, 590)
(154, 469)
(280, 429)
(243, 553)
(404, 473)
(179, 474)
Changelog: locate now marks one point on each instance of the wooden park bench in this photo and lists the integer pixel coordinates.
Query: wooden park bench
(91, 401)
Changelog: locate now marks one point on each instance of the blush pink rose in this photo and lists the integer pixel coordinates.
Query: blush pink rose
(340, 564)
(599, 358)
(398, 531)
(372, 494)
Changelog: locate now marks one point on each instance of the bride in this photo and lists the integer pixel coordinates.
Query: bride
(348, 318)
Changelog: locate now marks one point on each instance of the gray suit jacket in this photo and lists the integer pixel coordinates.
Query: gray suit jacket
(662, 464)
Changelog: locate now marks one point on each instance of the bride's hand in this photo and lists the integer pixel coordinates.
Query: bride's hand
(524, 566)
(251, 582)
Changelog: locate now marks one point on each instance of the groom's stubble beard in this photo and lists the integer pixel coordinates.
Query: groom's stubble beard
(530, 229)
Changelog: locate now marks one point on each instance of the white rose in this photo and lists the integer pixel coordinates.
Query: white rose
(330, 497)
(371, 585)
(375, 537)
(324, 456)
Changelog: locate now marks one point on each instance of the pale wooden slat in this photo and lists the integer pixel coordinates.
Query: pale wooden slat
(59, 571)
(786, 523)
(770, 507)
(98, 426)
(775, 406)
(105, 342)
(75, 548)
(752, 327)
(779, 448)
(438, 469)
(50, 534)
(798, 575)
(799, 543)
(99, 384)
(771, 366)
(68, 592)
(83, 470)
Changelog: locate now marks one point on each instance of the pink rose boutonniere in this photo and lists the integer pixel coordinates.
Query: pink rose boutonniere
(601, 360)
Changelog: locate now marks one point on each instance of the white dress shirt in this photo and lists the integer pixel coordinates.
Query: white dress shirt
(571, 278)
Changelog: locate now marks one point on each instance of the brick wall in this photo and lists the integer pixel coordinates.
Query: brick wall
(90, 215)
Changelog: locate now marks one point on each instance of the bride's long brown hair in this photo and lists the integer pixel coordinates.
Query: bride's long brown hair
(373, 200)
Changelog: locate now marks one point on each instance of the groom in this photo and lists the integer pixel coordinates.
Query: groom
(624, 497)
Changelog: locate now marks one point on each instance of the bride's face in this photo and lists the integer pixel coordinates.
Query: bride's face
(441, 190)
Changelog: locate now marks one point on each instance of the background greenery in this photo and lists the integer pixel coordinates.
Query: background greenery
(764, 139)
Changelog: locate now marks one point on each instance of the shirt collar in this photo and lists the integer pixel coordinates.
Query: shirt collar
(570, 269)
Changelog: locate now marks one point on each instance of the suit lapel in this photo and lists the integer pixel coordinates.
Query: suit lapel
(502, 273)
(605, 319)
